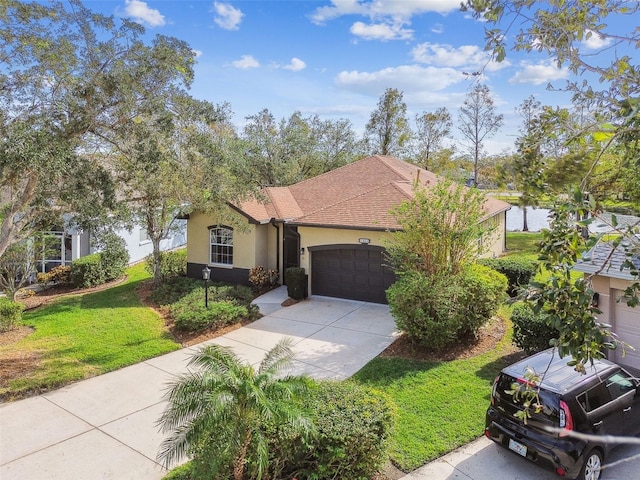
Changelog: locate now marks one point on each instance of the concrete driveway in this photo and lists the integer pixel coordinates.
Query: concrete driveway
(104, 427)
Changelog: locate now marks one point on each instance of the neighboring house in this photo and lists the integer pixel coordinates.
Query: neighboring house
(609, 280)
(333, 225)
(66, 245)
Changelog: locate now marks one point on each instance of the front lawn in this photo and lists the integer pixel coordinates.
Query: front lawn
(79, 336)
(441, 405)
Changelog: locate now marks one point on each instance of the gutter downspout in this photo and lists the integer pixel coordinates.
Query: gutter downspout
(273, 222)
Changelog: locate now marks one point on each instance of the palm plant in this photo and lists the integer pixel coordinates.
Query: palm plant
(219, 412)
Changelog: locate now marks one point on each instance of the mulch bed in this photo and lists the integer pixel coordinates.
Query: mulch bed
(488, 337)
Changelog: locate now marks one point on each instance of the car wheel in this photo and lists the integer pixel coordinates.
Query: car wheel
(592, 466)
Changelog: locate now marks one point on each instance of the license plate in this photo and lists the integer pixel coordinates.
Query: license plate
(517, 447)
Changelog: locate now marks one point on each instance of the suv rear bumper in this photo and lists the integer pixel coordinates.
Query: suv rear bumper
(547, 455)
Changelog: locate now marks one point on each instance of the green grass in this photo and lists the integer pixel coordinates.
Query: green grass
(441, 405)
(81, 336)
(523, 243)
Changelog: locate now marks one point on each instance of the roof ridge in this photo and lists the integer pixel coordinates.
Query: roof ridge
(387, 160)
(306, 180)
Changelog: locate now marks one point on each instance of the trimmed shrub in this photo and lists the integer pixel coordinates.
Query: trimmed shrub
(519, 271)
(87, 271)
(190, 313)
(424, 307)
(172, 264)
(114, 257)
(531, 332)
(483, 290)
(10, 314)
(353, 426)
(295, 279)
(438, 310)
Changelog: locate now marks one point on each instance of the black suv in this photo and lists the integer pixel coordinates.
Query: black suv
(605, 401)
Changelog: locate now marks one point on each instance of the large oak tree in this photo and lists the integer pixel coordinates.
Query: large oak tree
(70, 78)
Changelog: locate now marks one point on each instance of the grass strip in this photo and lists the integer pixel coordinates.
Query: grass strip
(441, 405)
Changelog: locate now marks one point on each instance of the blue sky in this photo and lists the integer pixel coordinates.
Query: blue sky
(335, 58)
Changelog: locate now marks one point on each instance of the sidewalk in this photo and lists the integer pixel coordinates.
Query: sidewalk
(105, 427)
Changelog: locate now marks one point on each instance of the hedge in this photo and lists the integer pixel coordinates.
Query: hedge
(531, 332)
(519, 271)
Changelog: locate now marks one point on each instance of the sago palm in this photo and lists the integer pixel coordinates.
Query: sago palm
(219, 411)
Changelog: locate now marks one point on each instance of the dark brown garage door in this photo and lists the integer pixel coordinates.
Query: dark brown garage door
(354, 272)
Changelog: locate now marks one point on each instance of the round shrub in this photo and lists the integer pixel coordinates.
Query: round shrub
(440, 309)
(114, 257)
(531, 332)
(519, 271)
(353, 425)
(87, 271)
(424, 307)
(10, 314)
(482, 291)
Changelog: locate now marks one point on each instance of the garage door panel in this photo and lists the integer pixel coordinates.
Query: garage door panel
(355, 273)
(626, 324)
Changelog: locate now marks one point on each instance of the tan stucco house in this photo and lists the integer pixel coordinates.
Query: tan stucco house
(610, 279)
(333, 225)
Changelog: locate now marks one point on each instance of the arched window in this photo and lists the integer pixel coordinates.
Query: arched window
(221, 245)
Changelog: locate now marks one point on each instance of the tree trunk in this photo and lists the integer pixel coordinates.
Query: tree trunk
(525, 225)
(238, 464)
(157, 258)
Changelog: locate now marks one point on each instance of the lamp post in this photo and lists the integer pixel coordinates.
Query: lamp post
(206, 271)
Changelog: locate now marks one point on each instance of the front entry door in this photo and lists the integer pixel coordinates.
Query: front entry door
(290, 247)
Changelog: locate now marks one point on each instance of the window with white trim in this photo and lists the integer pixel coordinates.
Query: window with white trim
(221, 245)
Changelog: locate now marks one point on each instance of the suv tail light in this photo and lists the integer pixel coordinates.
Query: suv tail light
(566, 420)
(493, 391)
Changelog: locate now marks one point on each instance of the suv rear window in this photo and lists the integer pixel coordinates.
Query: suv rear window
(550, 403)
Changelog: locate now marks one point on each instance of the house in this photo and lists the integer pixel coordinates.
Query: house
(610, 278)
(333, 225)
(67, 244)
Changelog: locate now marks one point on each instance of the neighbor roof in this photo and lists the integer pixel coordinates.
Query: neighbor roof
(357, 195)
(607, 260)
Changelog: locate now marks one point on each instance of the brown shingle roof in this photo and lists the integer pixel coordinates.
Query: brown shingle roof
(357, 195)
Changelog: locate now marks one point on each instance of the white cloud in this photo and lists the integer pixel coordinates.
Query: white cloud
(246, 62)
(381, 31)
(464, 56)
(197, 53)
(227, 16)
(437, 28)
(410, 79)
(595, 41)
(397, 9)
(141, 13)
(295, 65)
(539, 73)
